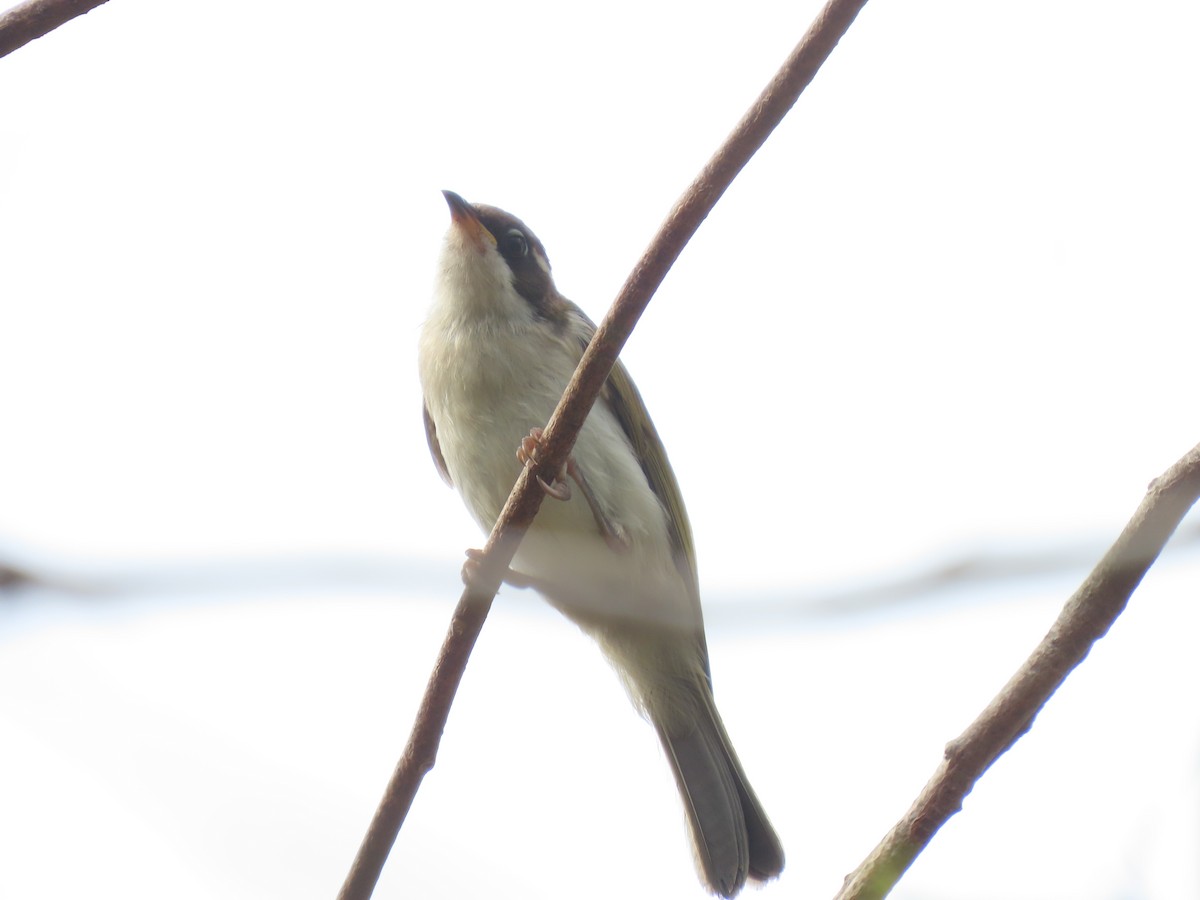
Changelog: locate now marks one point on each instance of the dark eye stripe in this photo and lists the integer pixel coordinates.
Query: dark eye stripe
(526, 259)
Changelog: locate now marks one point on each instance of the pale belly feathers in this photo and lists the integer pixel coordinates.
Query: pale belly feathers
(497, 397)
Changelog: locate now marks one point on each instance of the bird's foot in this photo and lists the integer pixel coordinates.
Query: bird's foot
(613, 532)
(527, 453)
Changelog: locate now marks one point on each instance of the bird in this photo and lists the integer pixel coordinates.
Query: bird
(611, 546)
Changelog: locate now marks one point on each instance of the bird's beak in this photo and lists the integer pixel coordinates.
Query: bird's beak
(463, 217)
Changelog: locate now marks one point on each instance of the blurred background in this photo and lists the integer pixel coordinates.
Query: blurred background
(914, 374)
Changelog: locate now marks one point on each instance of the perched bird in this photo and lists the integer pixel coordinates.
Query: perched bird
(614, 554)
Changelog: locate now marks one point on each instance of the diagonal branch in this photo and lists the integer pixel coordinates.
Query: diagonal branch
(30, 21)
(1086, 618)
(559, 437)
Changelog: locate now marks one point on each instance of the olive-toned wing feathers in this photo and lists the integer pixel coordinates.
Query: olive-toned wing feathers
(622, 397)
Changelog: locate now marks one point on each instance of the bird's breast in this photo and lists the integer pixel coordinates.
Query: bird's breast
(484, 392)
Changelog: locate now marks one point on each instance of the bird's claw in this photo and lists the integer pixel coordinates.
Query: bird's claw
(528, 452)
(613, 532)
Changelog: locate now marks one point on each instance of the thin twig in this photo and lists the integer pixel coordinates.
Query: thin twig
(559, 436)
(29, 21)
(1086, 618)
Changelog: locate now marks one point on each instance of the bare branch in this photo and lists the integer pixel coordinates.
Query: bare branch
(29, 21)
(559, 437)
(1086, 618)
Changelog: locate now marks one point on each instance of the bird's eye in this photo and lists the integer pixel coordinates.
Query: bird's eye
(513, 245)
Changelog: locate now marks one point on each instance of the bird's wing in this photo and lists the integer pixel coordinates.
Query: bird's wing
(435, 449)
(622, 397)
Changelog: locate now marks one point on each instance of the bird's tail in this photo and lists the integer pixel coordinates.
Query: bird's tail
(731, 835)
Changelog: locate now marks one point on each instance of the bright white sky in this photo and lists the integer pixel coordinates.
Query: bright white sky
(951, 307)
